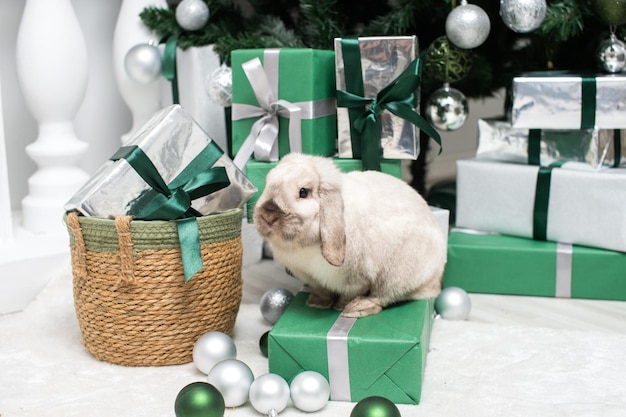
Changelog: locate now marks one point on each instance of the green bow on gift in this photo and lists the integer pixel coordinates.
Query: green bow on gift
(173, 201)
(399, 97)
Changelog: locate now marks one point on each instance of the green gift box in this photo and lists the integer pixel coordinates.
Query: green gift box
(499, 264)
(256, 172)
(380, 355)
(269, 86)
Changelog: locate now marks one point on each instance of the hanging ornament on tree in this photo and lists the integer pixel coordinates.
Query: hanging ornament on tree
(447, 108)
(467, 26)
(612, 12)
(523, 16)
(612, 54)
(219, 85)
(192, 14)
(446, 62)
(143, 63)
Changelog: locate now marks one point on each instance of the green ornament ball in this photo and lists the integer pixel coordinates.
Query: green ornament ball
(263, 343)
(199, 399)
(375, 407)
(612, 12)
(445, 62)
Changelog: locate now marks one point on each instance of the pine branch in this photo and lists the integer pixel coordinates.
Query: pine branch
(563, 21)
(320, 23)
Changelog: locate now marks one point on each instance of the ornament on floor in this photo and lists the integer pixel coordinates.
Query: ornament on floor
(269, 394)
(453, 303)
(445, 61)
(143, 63)
(523, 16)
(274, 302)
(211, 348)
(199, 399)
(467, 26)
(612, 12)
(192, 14)
(219, 85)
(375, 407)
(612, 54)
(310, 391)
(232, 378)
(447, 108)
(263, 343)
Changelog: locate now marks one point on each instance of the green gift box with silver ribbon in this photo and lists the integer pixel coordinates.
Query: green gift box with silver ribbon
(567, 202)
(381, 355)
(283, 101)
(562, 100)
(497, 264)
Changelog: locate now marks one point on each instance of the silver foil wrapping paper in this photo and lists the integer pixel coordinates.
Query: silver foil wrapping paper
(555, 102)
(171, 139)
(382, 60)
(499, 141)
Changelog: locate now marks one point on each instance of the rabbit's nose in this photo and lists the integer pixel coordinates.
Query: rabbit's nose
(270, 212)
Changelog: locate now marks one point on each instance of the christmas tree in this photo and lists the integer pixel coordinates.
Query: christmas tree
(519, 35)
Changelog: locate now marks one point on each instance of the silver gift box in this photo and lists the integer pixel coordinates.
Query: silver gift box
(382, 60)
(555, 102)
(171, 139)
(499, 141)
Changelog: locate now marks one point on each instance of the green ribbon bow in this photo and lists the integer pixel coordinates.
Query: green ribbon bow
(173, 201)
(399, 98)
(168, 64)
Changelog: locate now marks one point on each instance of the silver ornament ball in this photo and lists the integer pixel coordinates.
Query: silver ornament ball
(447, 108)
(269, 394)
(523, 16)
(309, 391)
(192, 14)
(467, 26)
(219, 86)
(232, 378)
(211, 348)
(143, 63)
(274, 302)
(453, 303)
(612, 55)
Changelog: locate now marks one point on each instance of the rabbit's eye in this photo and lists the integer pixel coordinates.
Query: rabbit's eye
(304, 193)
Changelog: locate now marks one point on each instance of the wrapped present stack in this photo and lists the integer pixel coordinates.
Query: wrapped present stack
(297, 100)
(359, 105)
(540, 206)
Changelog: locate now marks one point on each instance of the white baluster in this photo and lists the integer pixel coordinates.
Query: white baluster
(51, 59)
(6, 222)
(143, 100)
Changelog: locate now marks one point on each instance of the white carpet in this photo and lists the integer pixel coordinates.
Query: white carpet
(473, 370)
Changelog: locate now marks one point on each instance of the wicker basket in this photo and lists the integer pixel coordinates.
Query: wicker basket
(132, 303)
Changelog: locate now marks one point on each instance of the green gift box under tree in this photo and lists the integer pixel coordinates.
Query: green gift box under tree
(498, 264)
(283, 101)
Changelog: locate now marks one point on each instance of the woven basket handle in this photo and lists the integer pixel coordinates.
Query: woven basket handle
(122, 225)
(79, 253)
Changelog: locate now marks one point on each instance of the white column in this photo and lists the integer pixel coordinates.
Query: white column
(51, 59)
(6, 222)
(143, 100)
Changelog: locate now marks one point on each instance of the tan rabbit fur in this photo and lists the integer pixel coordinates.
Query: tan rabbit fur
(360, 240)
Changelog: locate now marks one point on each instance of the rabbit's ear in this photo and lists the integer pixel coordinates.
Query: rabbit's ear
(332, 230)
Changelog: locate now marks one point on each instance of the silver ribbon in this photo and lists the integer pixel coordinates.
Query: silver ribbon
(263, 138)
(338, 365)
(563, 270)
